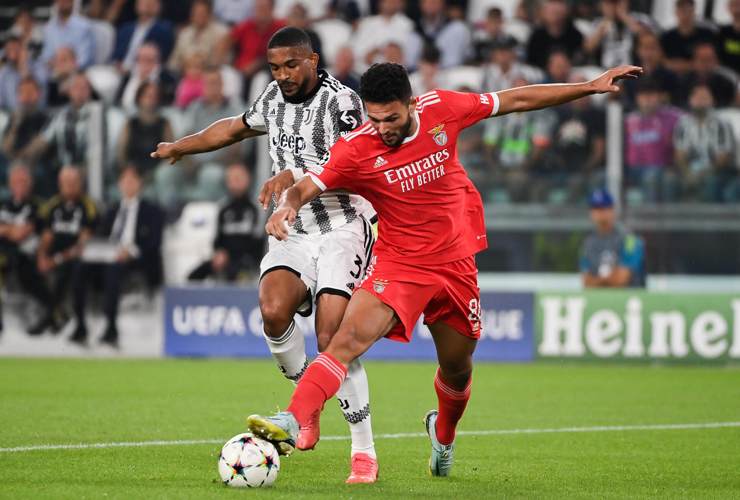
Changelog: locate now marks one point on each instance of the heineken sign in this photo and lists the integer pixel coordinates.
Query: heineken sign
(638, 325)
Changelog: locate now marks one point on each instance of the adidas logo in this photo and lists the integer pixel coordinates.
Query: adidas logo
(379, 162)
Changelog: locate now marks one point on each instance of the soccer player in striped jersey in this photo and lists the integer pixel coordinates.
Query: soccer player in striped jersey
(304, 112)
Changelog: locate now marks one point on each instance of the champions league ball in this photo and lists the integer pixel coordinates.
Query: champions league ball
(247, 461)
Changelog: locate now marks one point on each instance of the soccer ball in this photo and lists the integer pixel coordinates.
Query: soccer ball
(247, 461)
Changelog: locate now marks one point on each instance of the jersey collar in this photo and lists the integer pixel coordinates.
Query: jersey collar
(322, 76)
(418, 127)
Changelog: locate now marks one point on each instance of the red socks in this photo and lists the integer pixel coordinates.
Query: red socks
(452, 405)
(321, 381)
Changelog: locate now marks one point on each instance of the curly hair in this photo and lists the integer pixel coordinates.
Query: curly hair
(385, 82)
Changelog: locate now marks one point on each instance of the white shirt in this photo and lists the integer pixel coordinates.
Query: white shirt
(128, 234)
(136, 40)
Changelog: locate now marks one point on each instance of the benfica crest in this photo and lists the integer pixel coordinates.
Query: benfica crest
(379, 285)
(439, 135)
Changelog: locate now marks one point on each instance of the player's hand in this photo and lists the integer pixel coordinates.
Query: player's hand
(167, 151)
(606, 82)
(274, 187)
(277, 224)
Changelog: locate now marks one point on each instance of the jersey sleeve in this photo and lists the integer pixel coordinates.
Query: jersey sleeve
(470, 108)
(253, 117)
(336, 171)
(345, 114)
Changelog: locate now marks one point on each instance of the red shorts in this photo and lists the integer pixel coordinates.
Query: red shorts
(444, 292)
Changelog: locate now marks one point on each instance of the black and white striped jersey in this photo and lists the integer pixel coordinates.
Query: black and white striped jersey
(300, 136)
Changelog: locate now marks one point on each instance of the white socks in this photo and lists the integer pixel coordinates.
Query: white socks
(354, 400)
(289, 350)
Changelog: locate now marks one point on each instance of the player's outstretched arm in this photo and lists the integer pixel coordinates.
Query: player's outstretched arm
(531, 97)
(293, 199)
(217, 135)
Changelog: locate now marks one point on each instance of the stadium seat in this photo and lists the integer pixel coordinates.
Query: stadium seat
(4, 119)
(189, 241)
(105, 37)
(464, 76)
(478, 9)
(316, 8)
(233, 83)
(105, 80)
(115, 119)
(518, 29)
(334, 34)
(721, 12)
(178, 120)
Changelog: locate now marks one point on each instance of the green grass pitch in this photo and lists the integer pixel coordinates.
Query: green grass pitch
(45, 402)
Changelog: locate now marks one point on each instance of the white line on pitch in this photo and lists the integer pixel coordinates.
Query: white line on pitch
(404, 435)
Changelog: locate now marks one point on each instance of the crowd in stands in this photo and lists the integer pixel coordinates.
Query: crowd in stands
(92, 86)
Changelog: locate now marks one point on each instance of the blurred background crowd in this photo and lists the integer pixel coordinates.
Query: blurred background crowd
(89, 87)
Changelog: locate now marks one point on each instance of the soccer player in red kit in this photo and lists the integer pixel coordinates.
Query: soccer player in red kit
(431, 224)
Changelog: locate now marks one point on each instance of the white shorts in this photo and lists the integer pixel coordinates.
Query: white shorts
(332, 263)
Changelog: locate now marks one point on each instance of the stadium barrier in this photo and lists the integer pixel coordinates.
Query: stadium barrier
(517, 326)
(226, 322)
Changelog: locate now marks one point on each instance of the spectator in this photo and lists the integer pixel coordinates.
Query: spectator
(147, 28)
(492, 34)
(250, 40)
(212, 106)
(704, 149)
(428, 75)
(579, 147)
(67, 29)
(67, 222)
(558, 67)
(69, 132)
(678, 43)
(134, 225)
(451, 36)
(343, 70)
(517, 143)
(649, 144)
(728, 39)
(557, 31)
(18, 224)
(374, 32)
(505, 67)
(611, 257)
(392, 53)
(202, 35)
(148, 68)
(612, 39)
(239, 245)
(650, 57)
(28, 31)
(143, 131)
(63, 67)
(232, 12)
(16, 66)
(298, 18)
(706, 70)
(191, 84)
(25, 122)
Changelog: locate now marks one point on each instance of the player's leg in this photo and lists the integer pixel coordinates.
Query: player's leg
(452, 385)
(365, 321)
(281, 292)
(353, 395)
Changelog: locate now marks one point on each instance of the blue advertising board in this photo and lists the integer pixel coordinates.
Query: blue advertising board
(226, 322)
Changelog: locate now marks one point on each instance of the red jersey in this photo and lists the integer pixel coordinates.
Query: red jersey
(429, 211)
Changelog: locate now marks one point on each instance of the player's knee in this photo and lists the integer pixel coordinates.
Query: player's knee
(274, 317)
(457, 372)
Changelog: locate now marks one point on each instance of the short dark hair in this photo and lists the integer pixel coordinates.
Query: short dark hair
(431, 54)
(143, 87)
(385, 82)
(290, 37)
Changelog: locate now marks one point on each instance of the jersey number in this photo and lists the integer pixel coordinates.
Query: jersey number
(358, 263)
